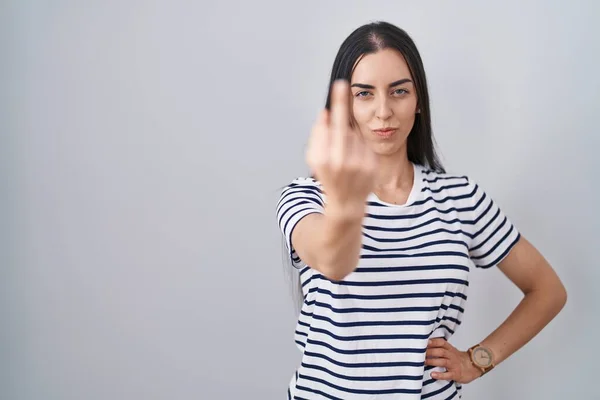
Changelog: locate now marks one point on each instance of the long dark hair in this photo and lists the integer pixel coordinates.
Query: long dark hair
(368, 39)
(376, 36)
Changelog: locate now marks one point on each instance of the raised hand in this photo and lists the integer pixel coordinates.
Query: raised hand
(340, 159)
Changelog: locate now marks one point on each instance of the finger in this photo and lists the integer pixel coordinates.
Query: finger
(438, 342)
(443, 376)
(321, 128)
(437, 352)
(339, 125)
(340, 105)
(319, 141)
(323, 118)
(437, 362)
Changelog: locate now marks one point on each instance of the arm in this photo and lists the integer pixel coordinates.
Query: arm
(544, 297)
(330, 242)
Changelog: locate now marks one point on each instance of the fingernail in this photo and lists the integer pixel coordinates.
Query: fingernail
(430, 341)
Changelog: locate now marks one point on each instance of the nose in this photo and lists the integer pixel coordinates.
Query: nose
(383, 110)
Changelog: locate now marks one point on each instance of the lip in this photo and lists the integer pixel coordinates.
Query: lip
(385, 132)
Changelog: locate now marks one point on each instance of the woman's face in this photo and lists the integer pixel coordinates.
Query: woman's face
(384, 101)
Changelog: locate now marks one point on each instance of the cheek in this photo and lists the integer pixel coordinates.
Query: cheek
(361, 112)
(406, 108)
(405, 112)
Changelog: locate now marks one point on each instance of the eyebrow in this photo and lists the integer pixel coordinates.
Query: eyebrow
(396, 83)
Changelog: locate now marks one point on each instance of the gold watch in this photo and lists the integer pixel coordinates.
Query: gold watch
(482, 357)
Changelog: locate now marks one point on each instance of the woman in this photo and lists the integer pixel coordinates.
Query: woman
(384, 239)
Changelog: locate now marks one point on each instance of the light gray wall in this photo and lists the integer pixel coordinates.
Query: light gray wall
(143, 145)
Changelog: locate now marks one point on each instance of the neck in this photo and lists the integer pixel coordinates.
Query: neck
(394, 173)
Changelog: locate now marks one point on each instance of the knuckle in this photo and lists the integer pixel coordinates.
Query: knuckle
(336, 165)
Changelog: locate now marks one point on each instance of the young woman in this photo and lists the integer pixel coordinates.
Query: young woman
(383, 240)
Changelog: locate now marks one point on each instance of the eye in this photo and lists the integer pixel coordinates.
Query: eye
(362, 94)
(400, 92)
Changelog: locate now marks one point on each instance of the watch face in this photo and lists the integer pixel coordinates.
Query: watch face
(482, 357)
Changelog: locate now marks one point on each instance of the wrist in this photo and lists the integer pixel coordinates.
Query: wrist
(472, 372)
(481, 358)
(344, 212)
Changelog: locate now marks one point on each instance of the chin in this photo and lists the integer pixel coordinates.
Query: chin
(386, 149)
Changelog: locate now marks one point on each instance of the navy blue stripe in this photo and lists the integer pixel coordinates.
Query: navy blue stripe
(414, 268)
(297, 211)
(307, 389)
(491, 221)
(498, 243)
(372, 310)
(429, 381)
(427, 200)
(298, 194)
(443, 200)
(387, 296)
(307, 281)
(501, 256)
(452, 319)
(428, 254)
(360, 391)
(369, 323)
(295, 208)
(456, 185)
(436, 392)
(367, 337)
(421, 225)
(364, 378)
(302, 323)
(442, 326)
(404, 350)
(396, 282)
(491, 235)
(365, 365)
(453, 395)
(445, 178)
(295, 190)
(421, 214)
(291, 195)
(384, 310)
(420, 246)
(420, 235)
(303, 186)
(487, 209)
(376, 323)
(453, 306)
(297, 332)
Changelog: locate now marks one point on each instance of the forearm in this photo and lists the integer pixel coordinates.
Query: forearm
(340, 242)
(532, 314)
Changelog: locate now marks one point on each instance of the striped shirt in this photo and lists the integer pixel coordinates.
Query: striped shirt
(365, 337)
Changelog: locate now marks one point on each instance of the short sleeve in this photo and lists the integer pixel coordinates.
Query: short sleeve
(492, 233)
(303, 196)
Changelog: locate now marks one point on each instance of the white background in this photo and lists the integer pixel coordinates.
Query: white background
(143, 145)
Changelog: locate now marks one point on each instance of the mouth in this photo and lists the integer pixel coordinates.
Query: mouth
(385, 132)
